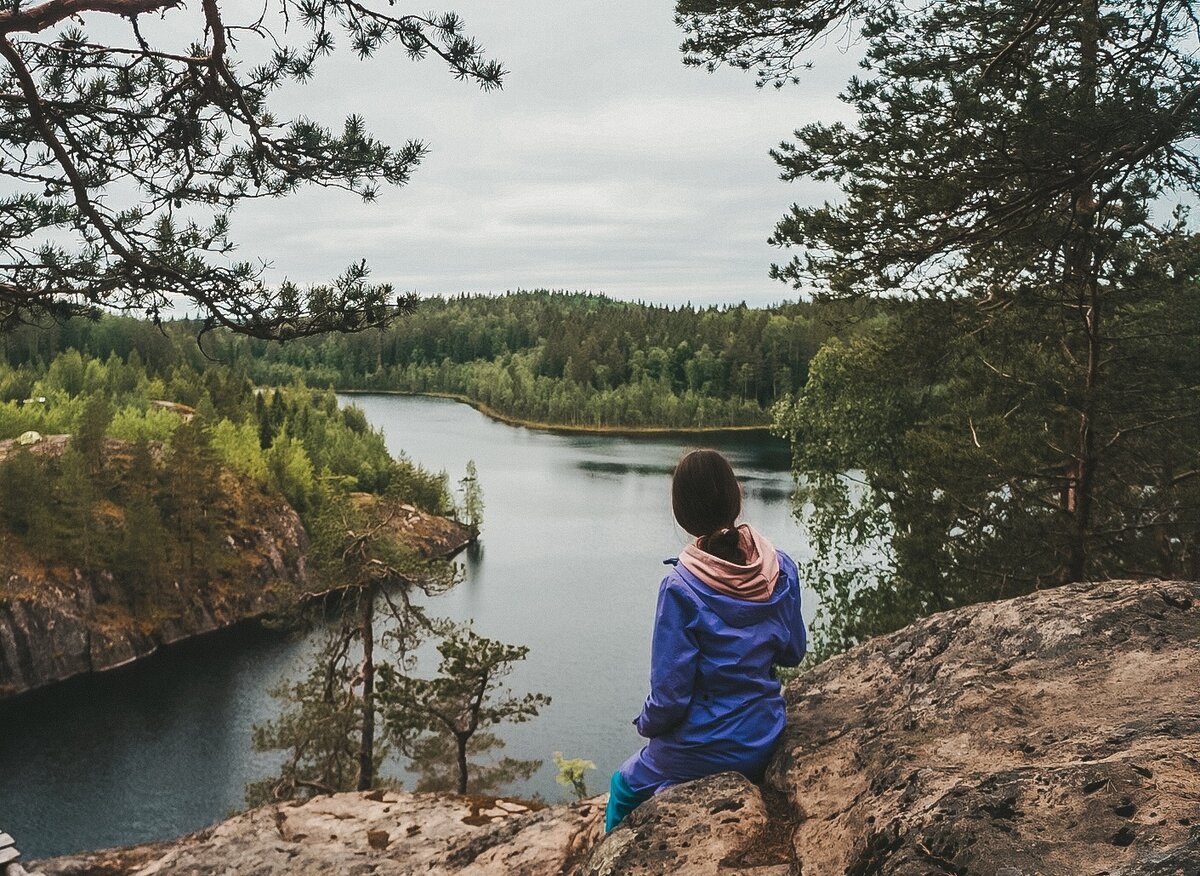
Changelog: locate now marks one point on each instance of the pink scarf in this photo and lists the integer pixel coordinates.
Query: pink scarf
(755, 581)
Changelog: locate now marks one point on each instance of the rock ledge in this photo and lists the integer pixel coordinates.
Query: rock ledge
(1057, 733)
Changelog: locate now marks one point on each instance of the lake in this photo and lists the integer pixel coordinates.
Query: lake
(575, 529)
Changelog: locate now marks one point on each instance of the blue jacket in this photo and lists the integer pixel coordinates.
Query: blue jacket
(714, 701)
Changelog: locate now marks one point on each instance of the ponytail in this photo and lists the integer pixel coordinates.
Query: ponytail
(725, 544)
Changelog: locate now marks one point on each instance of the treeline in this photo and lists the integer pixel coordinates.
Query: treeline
(158, 456)
(574, 359)
(569, 359)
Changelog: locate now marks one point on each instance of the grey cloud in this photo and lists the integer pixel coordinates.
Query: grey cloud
(603, 165)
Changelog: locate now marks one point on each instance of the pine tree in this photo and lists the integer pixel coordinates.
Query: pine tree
(188, 136)
(328, 727)
(73, 497)
(472, 493)
(444, 721)
(24, 488)
(90, 434)
(192, 491)
(138, 561)
(1025, 417)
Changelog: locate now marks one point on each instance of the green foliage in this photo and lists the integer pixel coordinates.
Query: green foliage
(472, 496)
(60, 511)
(354, 546)
(581, 360)
(304, 439)
(567, 359)
(441, 723)
(74, 492)
(24, 485)
(291, 471)
(65, 374)
(1026, 412)
(191, 491)
(318, 729)
(93, 425)
(957, 480)
(134, 424)
(178, 137)
(571, 773)
(237, 445)
(770, 37)
(151, 506)
(140, 561)
(327, 726)
(425, 489)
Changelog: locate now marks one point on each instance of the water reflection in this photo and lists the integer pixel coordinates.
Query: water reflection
(766, 492)
(622, 468)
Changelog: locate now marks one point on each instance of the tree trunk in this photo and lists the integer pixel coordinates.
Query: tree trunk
(461, 741)
(366, 749)
(1081, 276)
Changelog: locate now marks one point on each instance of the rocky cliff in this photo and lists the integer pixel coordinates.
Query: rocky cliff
(57, 621)
(1057, 733)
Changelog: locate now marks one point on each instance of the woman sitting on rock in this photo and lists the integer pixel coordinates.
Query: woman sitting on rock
(727, 614)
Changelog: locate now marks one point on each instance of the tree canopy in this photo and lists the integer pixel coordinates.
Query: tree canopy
(1014, 186)
(124, 158)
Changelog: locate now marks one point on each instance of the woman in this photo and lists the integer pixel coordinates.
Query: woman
(727, 614)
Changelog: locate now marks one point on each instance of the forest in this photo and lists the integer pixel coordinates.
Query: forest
(150, 444)
(124, 472)
(550, 358)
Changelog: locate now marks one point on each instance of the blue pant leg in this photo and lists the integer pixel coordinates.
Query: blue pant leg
(622, 800)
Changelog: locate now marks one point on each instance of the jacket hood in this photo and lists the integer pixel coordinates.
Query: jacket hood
(735, 610)
(754, 580)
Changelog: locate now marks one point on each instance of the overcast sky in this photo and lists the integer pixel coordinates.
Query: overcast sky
(604, 164)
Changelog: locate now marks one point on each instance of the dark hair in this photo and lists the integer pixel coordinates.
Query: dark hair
(707, 500)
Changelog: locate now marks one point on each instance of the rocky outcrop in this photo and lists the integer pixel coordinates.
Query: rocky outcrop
(384, 833)
(1057, 733)
(432, 537)
(57, 622)
(720, 824)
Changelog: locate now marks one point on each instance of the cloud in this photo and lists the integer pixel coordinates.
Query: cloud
(603, 165)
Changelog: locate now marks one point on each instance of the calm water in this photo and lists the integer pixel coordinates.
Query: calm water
(574, 532)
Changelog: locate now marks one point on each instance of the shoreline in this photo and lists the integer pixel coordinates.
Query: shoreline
(272, 619)
(573, 429)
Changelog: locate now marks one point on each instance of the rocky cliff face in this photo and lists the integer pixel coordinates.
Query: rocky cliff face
(1057, 733)
(57, 622)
